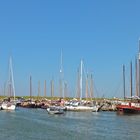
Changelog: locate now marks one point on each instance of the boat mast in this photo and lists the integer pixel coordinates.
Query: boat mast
(9, 82)
(136, 76)
(45, 89)
(30, 87)
(61, 84)
(131, 80)
(139, 70)
(52, 88)
(91, 87)
(124, 80)
(5, 89)
(78, 84)
(87, 87)
(11, 78)
(65, 90)
(38, 89)
(81, 80)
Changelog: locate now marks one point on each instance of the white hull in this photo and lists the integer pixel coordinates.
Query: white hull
(8, 106)
(82, 108)
(55, 110)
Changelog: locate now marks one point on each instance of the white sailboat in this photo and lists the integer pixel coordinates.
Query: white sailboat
(9, 104)
(78, 105)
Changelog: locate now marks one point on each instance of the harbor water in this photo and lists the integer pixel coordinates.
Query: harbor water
(37, 124)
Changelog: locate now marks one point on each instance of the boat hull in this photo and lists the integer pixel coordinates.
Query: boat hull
(8, 106)
(82, 108)
(124, 109)
(55, 110)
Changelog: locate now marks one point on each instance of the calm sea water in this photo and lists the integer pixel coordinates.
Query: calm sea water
(37, 124)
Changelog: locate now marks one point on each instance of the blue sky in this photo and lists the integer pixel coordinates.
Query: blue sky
(103, 33)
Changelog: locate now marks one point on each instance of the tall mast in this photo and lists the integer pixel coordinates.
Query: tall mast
(5, 89)
(136, 76)
(11, 79)
(65, 89)
(131, 88)
(61, 84)
(52, 88)
(91, 87)
(45, 89)
(78, 85)
(38, 89)
(124, 80)
(139, 70)
(81, 80)
(30, 87)
(60, 87)
(87, 87)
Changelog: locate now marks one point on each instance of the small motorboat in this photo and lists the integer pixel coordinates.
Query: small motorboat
(55, 110)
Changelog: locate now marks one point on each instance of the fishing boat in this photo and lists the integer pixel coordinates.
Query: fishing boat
(129, 108)
(9, 104)
(55, 110)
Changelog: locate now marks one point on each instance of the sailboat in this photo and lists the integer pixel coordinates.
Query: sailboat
(9, 104)
(131, 105)
(76, 105)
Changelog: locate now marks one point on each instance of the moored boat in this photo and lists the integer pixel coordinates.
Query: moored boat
(55, 110)
(83, 108)
(8, 106)
(128, 108)
(80, 106)
(131, 105)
